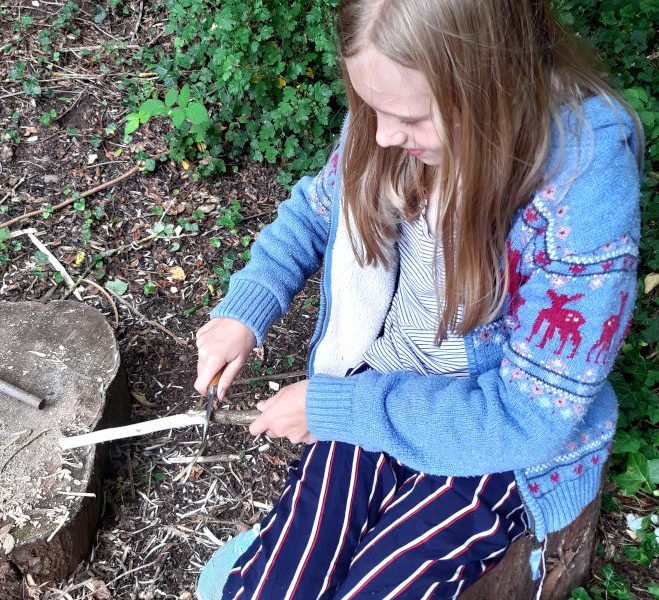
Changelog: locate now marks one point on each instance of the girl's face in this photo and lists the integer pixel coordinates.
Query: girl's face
(402, 101)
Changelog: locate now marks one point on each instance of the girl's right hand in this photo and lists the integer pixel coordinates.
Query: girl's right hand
(223, 344)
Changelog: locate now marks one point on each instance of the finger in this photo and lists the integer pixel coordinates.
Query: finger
(207, 368)
(231, 370)
(258, 426)
(266, 404)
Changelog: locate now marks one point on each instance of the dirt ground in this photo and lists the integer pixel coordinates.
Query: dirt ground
(159, 525)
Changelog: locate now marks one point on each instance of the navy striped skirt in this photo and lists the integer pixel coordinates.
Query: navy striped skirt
(352, 524)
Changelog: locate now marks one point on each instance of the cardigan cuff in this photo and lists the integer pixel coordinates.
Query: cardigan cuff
(251, 304)
(329, 407)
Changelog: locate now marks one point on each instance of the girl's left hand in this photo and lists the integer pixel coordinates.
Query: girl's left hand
(285, 415)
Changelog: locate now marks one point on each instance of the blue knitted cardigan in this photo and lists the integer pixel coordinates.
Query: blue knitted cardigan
(537, 400)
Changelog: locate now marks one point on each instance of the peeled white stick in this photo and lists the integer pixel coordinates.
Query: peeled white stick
(224, 417)
(118, 433)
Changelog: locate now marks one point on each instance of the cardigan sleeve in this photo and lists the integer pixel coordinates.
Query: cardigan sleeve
(285, 254)
(564, 329)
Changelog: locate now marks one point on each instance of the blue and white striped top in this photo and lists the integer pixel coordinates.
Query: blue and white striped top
(408, 340)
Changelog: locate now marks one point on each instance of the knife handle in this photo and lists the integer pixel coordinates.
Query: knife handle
(212, 386)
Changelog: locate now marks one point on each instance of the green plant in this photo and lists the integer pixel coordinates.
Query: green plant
(230, 217)
(267, 71)
(192, 127)
(48, 116)
(65, 19)
(645, 530)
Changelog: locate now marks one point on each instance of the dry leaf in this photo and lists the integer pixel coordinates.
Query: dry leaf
(50, 178)
(31, 587)
(195, 472)
(177, 273)
(91, 159)
(651, 282)
(176, 209)
(8, 543)
(101, 590)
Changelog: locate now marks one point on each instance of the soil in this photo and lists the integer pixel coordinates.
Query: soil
(161, 521)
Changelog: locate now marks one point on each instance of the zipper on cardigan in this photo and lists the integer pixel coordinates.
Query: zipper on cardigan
(323, 299)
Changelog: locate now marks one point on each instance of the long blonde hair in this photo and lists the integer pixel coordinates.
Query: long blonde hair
(504, 67)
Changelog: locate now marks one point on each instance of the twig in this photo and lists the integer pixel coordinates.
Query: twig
(15, 234)
(155, 324)
(106, 254)
(25, 445)
(12, 94)
(139, 21)
(98, 188)
(233, 417)
(10, 192)
(108, 297)
(270, 377)
(57, 265)
(70, 107)
(21, 395)
(185, 460)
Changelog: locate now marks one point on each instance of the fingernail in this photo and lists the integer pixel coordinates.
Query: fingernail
(220, 393)
(260, 406)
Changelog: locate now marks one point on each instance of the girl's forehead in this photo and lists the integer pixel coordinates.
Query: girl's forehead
(388, 86)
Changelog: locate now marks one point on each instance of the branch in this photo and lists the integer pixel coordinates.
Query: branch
(57, 265)
(98, 188)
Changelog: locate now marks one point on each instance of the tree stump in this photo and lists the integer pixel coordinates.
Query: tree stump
(66, 353)
(568, 558)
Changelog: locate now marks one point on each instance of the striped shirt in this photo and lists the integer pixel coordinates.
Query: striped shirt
(408, 340)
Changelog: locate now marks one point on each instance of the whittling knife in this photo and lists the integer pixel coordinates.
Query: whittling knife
(211, 394)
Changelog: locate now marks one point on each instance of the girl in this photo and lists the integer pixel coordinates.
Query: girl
(478, 225)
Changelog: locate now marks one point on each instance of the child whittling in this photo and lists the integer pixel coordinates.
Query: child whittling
(478, 228)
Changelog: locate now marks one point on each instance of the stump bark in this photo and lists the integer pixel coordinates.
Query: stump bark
(568, 557)
(65, 353)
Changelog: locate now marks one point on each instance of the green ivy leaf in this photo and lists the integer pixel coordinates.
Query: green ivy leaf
(196, 113)
(653, 471)
(117, 287)
(627, 442)
(635, 476)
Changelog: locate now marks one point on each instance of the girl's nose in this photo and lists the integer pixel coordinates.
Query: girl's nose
(389, 133)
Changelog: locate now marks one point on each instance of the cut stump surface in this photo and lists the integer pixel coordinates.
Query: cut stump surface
(65, 353)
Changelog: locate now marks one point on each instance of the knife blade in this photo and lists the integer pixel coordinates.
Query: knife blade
(211, 394)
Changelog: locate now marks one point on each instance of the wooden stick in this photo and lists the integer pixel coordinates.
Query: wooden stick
(71, 200)
(186, 460)
(57, 265)
(228, 417)
(18, 394)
